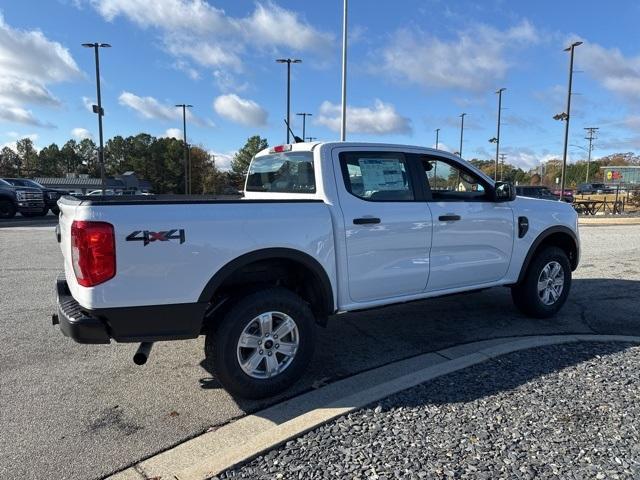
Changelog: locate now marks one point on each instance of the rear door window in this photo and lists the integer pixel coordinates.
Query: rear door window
(377, 177)
(289, 172)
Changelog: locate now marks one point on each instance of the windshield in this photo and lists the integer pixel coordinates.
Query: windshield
(4, 182)
(290, 172)
(31, 183)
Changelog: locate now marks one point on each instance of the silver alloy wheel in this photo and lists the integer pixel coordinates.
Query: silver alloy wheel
(551, 283)
(268, 345)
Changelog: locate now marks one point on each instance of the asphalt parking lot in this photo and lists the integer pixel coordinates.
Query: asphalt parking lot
(74, 411)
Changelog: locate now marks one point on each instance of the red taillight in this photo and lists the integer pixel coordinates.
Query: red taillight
(280, 148)
(93, 252)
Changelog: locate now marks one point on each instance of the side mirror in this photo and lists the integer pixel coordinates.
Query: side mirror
(504, 192)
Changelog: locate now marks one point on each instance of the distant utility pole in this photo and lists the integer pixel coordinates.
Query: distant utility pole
(304, 116)
(288, 61)
(591, 135)
(502, 157)
(343, 123)
(437, 137)
(566, 116)
(187, 167)
(499, 92)
(99, 110)
(461, 132)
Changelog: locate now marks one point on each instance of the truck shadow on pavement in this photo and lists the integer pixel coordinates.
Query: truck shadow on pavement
(357, 342)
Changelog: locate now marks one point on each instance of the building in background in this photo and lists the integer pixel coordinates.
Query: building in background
(127, 183)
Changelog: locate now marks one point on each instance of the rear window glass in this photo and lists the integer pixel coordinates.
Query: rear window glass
(290, 172)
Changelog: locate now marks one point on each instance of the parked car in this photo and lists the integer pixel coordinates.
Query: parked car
(107, 191)
(323, 229)
(25, 200)
(538, 191)
(50, 195)
(594, 188)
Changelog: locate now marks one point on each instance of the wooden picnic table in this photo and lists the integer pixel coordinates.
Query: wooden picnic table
(591, 207)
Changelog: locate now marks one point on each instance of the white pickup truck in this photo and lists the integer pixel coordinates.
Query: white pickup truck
(323, 228)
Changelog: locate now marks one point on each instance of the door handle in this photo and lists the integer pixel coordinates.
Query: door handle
(365, 220)
(449, 218)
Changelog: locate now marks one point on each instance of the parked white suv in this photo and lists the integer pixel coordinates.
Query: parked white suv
(324, 228)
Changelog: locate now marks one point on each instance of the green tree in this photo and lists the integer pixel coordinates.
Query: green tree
(242, 159)
(8, 162)
(28, 156)
(70, 158)
(51, 161)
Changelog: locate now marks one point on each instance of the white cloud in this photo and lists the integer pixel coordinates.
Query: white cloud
(381, 119)
(205, 35)
(28, 62)
(151, 108)
(240, 110)
(17, 136)
(173, 133)
(617, 73)
(88, 103)
(222, 160)
(22, 115)
(272, 25)
(475, 60)
(80, 133)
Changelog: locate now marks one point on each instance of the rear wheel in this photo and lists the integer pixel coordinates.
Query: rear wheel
(263, 344)
(546, 284)
(7, 209)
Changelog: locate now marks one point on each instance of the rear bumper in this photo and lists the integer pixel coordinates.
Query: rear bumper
(75, 322)
(127, 324)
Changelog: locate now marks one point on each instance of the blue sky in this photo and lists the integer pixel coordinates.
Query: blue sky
(414, 66)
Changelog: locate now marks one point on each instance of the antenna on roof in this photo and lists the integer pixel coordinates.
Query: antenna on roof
(296, 139)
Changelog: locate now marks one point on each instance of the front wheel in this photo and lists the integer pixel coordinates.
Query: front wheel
(546, 284)
(7, 209)
(263, 344)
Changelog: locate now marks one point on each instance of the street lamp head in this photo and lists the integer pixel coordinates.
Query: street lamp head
(493, 140)
(89, 45)
(296, 60)
(462, 115)
(105, 45)
(282, 60)
(501, 90)
(572, 46)
(561, 116)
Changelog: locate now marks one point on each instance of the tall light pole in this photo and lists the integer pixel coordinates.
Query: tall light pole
(304, 116)
(288, 61)
(343, 123)
(99, 110)
(591, 135)
(461, 132)
(437, 137)
(187, 167)
(566, 116)
(499, 92)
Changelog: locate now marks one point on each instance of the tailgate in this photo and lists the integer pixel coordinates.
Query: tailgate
(65, 219)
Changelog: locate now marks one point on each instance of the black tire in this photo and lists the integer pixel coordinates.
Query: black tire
(221, 345)
(7, 209)
(526, 296)
(55, 210)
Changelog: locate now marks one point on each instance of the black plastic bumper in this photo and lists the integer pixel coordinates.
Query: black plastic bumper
(127, 324)
(75, 322)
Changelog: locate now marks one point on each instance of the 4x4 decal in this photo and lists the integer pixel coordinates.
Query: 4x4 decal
(146, 237)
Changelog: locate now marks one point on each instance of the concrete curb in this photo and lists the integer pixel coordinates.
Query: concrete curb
(608, 221)
(237, 442)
